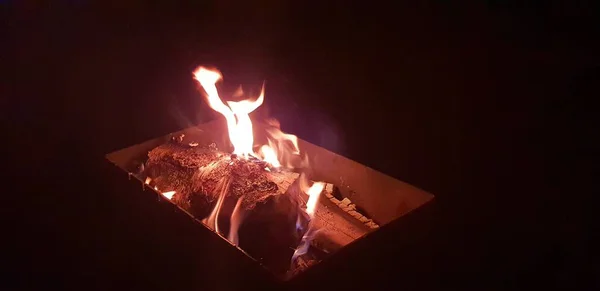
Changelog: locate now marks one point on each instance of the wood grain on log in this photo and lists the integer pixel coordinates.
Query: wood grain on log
(346, 205)
(198, 175)
(336, 226)
(195, 173)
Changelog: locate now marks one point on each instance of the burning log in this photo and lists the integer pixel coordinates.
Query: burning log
(197, 173)
(243, 200)
(338, 223)
(274, 216)
(239, 198)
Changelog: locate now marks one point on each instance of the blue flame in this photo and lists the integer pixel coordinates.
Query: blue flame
(304, 244)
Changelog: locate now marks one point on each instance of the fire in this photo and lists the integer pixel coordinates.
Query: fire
(314, 192)
(168, 194)
(279, 136)
(239, 124)
(270, 156)
(277, 153)
(281, 145)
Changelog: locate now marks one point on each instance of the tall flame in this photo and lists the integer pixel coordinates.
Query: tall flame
(239, 124)
(278, 153)
(314, 192)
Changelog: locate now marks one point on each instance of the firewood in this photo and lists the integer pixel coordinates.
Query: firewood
(195, 174)
(347, 206)
(268, 230)
(336, 225)
(199, 174)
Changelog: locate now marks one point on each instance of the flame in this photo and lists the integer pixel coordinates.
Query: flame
(239, 124)
(270, 156)
(168, 194)
(236, 220)
(304, 243)
(314, 192)
(277, 153)
(279, 136)
(148, 180)
(212, 220)
(281, 146)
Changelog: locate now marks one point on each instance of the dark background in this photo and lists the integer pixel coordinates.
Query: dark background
(486, 104)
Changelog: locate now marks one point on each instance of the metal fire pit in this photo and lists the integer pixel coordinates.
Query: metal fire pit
(384, 198)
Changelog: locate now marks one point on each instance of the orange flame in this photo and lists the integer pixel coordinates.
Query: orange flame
(269, 156)
(314, 192)
(277, 153)
(281, 146)
(239, 124)
(279, 136)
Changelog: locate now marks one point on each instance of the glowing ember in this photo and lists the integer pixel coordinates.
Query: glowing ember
(168, 194)
(148, 180)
